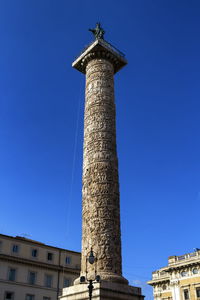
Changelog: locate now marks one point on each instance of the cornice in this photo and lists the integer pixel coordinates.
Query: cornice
(35, 243)
(21, 260)
(36, 286)
(157, 281)
(100, 49)
(182, 266)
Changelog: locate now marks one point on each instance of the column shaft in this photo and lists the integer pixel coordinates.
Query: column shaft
(100, 211)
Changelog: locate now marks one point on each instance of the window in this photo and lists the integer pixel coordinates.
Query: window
(34, 253)
(198, 292)
(49, 256)
(32, 277)
(162, 273)
(9, 296)
(48, 280)
(46, 298)
(195, 271)
(186, 294)
(1, 244)
(30, 297)
(184, 273)
(66, 282)
(15, 248)
(68, 260)
(12, 274)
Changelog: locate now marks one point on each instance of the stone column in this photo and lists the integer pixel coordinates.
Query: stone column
(100, 211)
(100, 193)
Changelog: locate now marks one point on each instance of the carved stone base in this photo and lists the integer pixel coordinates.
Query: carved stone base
(102, 291)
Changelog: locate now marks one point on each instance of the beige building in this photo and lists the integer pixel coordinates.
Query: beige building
(180, 280)
(31, 270)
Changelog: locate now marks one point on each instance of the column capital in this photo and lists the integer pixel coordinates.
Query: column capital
(100, 49)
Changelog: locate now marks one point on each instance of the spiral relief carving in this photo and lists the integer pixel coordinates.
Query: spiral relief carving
(100, 192)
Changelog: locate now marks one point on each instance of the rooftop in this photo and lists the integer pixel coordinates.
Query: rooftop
(30, 241)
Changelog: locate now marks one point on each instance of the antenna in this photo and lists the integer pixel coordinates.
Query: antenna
(25, 235)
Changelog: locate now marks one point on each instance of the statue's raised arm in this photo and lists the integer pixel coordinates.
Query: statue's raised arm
(92, 30)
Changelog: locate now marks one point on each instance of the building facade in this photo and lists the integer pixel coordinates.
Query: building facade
(30, 270)
(180, 280)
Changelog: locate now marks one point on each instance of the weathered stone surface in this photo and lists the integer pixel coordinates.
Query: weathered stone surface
(100, 211)
(102, 291)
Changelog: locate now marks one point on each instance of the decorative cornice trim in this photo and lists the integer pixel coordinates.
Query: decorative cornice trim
(39, 264)
(159, 280)
(189, 264)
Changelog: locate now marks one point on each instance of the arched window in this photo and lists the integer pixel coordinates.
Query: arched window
(184, 274)
(195, 271)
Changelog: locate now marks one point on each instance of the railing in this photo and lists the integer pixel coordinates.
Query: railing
(182, 257)
(188, 256)
(158, 275)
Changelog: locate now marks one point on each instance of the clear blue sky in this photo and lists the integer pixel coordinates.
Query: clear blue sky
(158, 124)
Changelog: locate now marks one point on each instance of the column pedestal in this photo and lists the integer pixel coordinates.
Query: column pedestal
(103, 290)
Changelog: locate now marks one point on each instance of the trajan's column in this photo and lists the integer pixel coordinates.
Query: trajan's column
(101, 235)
